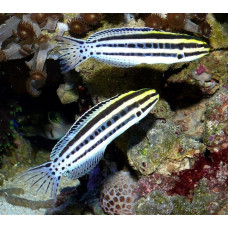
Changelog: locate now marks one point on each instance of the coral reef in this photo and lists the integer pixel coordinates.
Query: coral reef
(159, 145)
(117, 195)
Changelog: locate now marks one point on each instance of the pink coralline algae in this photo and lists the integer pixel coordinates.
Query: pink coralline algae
(117, 196)
(201, 69)
(183, 183)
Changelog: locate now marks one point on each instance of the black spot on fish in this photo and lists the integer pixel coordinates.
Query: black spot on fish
(138, 113)
(180, 56)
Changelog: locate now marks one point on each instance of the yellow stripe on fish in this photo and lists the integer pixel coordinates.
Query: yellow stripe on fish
(127, 47)
(84, 144)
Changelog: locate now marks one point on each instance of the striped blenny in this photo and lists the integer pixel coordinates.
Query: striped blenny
(84, 144)
(127, 47)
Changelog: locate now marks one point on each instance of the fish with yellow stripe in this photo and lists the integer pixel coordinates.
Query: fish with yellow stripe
(127, 47)
(84, 144)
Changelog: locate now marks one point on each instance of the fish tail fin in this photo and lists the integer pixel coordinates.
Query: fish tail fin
(73, 52)
(43, 177)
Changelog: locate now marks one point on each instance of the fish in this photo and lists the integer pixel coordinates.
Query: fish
(83, 146)
(51, 126)
(127, 47)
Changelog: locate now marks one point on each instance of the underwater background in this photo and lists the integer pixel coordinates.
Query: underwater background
(173, 162)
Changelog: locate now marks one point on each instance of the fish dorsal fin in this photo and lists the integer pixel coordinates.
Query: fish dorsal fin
(84, 167)
(117, 32)
(76, 127)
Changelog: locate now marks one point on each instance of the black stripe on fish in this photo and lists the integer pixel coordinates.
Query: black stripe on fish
(151, 35)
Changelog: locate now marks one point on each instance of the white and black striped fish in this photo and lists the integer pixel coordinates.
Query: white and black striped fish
(127, 47)
(84, 144)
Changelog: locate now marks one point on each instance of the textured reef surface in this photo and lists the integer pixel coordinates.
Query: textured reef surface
(175, 161)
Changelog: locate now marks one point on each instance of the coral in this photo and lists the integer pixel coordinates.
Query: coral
(117, 195)
(159, 145)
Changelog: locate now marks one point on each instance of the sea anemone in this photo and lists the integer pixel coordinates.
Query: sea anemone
(32, 86)
(205, 29)
(77, 26)
(56, 16)
(191, 26)
(176, 20)
(52, 21)
(91, 18)
(25, 50)
(199, 17)
(42, 55)
(11, 50)
(42, 39)
(25, 31)
(39, 17)
(154, 21)
(38, 75)
(6, 30)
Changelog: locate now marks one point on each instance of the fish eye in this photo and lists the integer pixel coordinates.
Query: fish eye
(54, 117)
